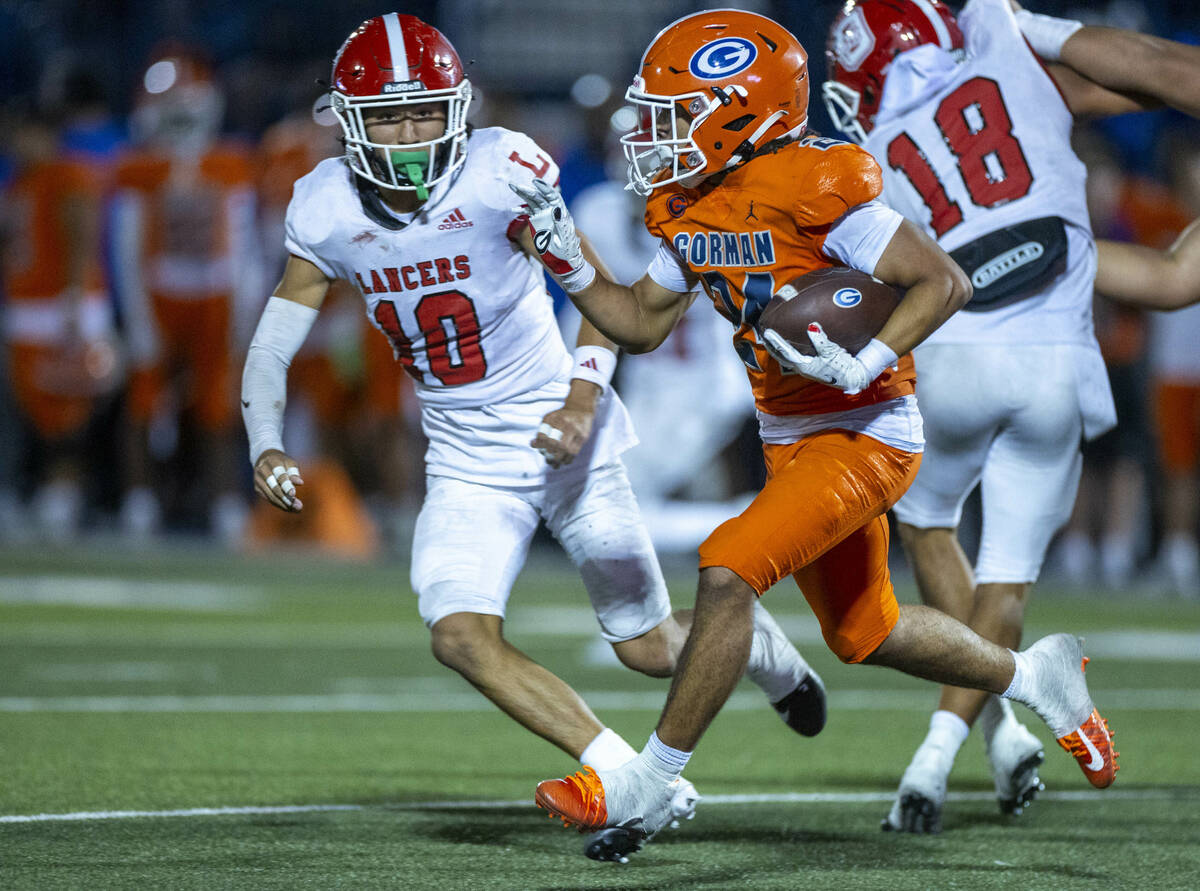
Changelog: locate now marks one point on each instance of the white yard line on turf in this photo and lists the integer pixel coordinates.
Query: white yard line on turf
(1165, 794)
(138, 594)
(438, 700)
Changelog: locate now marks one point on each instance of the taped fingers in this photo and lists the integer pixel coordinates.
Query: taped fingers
(550, 432)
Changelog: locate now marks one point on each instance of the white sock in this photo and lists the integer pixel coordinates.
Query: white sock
(1021, 687)
(664, 759)
(774, 665)
(947, 732)
(996, 711)
(607, 750)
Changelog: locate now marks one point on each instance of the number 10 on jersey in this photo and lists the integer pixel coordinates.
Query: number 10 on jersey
(450, 327)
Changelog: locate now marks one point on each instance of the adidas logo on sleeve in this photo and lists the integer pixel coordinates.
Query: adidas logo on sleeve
(456, 220)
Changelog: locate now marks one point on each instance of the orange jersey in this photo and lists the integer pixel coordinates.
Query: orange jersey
(197, 216)
(35, 209)
(763, 225)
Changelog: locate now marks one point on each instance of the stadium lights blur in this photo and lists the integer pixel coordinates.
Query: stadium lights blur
(160, 76)
(623, 120)
(591, 90)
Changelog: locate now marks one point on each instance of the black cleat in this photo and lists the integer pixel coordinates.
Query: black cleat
(1025, 783)
(616, 843)
(804, 708)
(917, 814)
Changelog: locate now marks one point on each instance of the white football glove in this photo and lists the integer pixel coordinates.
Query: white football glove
(831, 365)
(554, 235)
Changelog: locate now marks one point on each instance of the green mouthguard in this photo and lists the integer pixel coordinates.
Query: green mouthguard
(410, 170)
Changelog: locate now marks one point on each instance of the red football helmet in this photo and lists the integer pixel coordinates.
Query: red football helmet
(864, 39)
(739, 79)
(393, 60)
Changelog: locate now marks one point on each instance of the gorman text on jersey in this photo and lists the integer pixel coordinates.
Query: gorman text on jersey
(725, 248)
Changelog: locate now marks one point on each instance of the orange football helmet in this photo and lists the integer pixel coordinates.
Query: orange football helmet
(179, 105)
(713, 87)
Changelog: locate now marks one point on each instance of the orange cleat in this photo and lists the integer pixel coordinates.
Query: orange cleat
(577, 800)
(1091, 745)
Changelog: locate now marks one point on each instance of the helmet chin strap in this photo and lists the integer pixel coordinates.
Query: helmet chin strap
(411, 168)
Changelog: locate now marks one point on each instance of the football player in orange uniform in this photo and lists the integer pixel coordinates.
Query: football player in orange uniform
(186, 264)
(744, 201)
(58, 316)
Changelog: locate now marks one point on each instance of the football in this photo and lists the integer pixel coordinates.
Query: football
(850, 305)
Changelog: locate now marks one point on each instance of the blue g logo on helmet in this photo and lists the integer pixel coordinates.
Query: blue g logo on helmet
(722, 58)
(847, 297)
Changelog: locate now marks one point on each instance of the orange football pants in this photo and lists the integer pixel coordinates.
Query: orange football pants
(196, 334)
(1177, 411)
(53, 415)
(821, 519)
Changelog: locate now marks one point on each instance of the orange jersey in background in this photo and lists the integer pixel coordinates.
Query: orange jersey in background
(36, 248)
(762, 226)
(186, 260)
(195, 221)
(56, 368)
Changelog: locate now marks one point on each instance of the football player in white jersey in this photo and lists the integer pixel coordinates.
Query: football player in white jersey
(419, 214)
(972, 131)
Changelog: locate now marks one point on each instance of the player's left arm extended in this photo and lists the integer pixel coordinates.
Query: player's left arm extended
(936, 287)
(1121, 70)
(638, 318)
(563, 431)
(1150, 279)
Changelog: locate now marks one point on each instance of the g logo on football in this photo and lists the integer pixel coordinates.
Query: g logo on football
(847, 297)
(722, 58)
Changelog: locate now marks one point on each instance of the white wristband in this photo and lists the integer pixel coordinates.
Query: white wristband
(576, 280)
(875, 357)
(281, 330)
(595, 364)
(1046, 34)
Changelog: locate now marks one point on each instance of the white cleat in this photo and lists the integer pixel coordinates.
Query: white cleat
(794, 690)
(1015, 755)
(683, 805)
(919, 801)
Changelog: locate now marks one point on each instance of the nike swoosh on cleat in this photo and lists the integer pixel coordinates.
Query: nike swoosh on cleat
(1096, 761)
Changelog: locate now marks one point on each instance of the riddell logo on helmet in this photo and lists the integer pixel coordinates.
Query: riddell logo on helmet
(456, 220)
(405, 86)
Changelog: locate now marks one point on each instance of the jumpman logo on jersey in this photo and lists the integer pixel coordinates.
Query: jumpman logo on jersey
(752, 215)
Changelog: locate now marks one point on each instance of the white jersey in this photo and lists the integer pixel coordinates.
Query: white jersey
(465, 308)
(998, 109)
(1173, 352)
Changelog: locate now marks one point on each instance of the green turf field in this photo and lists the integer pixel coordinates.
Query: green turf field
(283, 725)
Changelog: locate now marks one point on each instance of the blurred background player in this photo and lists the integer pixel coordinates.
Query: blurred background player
(1175, 370)
(1109, 532)
(419, 215)
(188, 270)
(690, 392)
(58, 322)
(975, 140)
